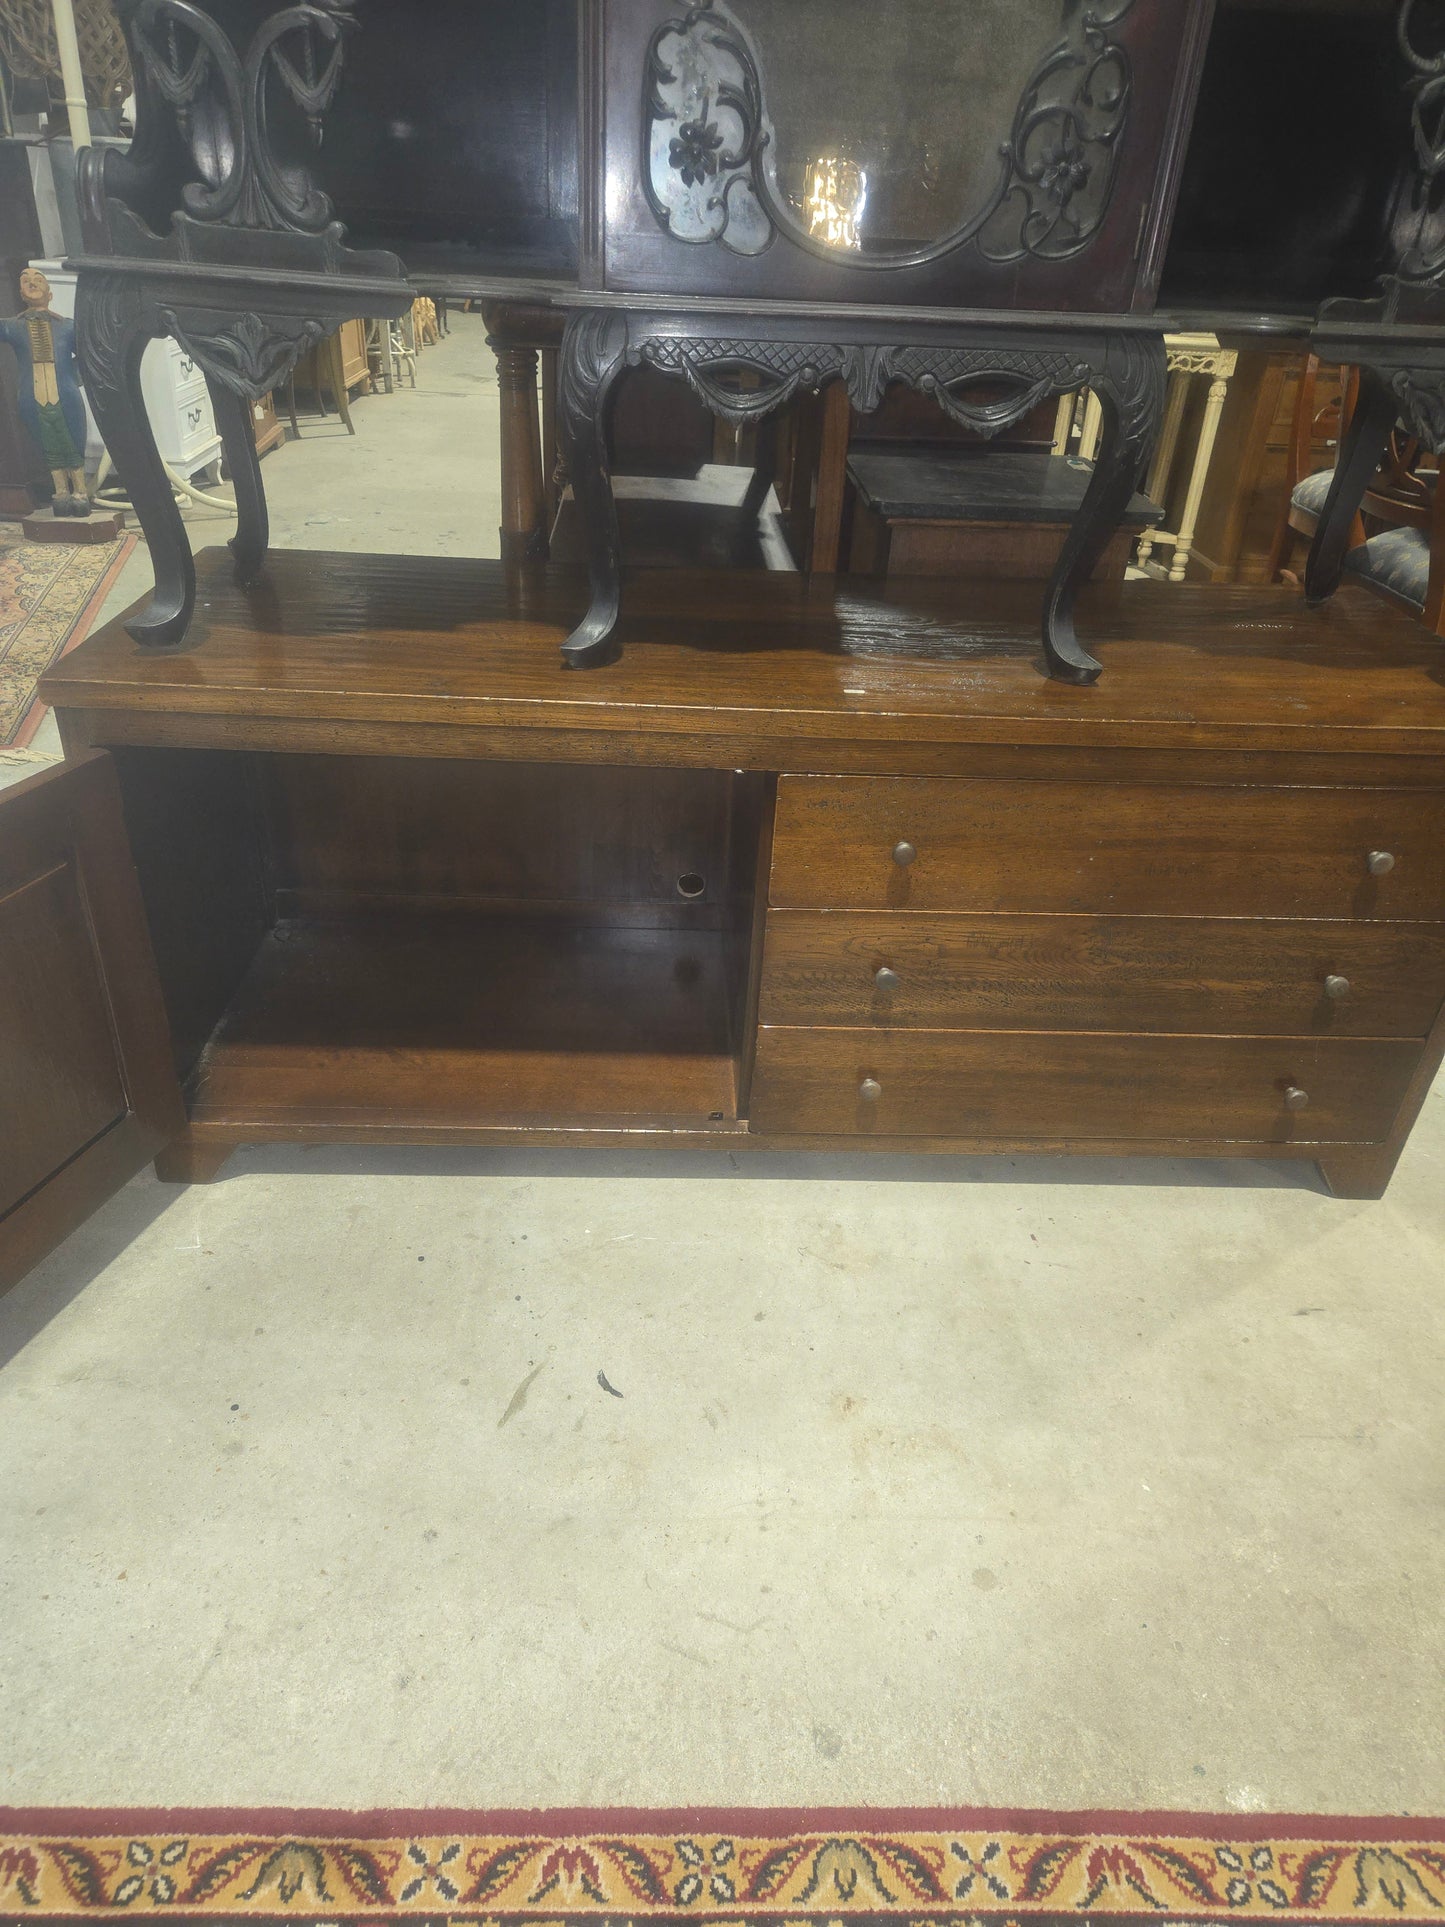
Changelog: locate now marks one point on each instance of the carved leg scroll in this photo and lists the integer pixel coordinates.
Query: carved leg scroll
(1130, 387)
(253, 530)
(594, 353)
(1376, 411)
(113, 323)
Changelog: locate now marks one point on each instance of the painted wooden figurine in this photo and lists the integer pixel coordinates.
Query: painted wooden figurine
(51, 404)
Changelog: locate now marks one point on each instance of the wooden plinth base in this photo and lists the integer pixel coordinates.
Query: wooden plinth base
(101, 525)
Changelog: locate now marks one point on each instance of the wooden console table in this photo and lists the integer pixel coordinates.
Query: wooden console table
(816, 864)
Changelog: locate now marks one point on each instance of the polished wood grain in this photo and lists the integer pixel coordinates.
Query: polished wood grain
(450, 1022)
(55, 1032)
(1120, 849)
(643, 844)
(87, 1093)
(765, 670)
(1193, 974)
(1023, 1084)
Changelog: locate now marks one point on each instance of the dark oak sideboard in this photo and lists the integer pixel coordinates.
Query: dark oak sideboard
(809, 867)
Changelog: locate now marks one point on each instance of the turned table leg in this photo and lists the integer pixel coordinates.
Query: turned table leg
(523, 531)
(1198, 476)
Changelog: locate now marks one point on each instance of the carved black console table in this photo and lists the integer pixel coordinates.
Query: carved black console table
(251, 271)
(786, 353)
(763, 196)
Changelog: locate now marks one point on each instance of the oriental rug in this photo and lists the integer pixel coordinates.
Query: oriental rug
(853, 1866)
(50, 593)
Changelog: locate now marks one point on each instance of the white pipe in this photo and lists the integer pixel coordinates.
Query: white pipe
(70, 72)
(179, 485)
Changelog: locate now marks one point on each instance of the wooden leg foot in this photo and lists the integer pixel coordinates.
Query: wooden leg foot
(1359, 1172)
(188, 1162)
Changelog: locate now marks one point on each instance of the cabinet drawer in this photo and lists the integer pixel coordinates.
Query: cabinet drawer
(1053, 1085)
(196, 426)
(1189, 974)
(1127, 849)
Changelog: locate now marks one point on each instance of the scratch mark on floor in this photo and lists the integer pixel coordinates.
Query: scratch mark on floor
(683, 1653)
(716, 1619)
(519, 1397)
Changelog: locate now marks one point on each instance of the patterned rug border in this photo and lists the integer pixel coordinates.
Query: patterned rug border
(663, 1867)
(36, 710)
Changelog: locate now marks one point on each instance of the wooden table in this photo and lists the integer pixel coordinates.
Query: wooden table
(818, 864)
(976, 511)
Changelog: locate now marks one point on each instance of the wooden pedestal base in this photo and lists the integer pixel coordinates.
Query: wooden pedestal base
(101, 525)
(190, 1160)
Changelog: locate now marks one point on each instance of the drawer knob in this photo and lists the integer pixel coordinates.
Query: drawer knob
(870, 1090)
(1379, 863)
(903, 854)
(1294, 1098)
(885, 978)
(1337, 987)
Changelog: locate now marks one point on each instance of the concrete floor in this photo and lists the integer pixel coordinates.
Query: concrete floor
(1016, 1482)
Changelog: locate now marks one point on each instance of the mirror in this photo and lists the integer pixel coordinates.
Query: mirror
(885, 133)
(888, 115)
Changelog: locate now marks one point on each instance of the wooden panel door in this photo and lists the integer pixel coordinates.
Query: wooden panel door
(88, 1093)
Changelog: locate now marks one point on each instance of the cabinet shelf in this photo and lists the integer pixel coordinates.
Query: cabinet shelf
(445, 1027)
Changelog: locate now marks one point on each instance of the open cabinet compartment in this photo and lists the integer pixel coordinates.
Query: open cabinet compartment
(434, 949)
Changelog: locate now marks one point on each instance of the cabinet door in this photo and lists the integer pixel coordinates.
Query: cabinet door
(1002, 154)
(88, 1093)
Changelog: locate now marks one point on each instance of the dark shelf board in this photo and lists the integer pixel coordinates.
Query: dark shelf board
(452, 1024)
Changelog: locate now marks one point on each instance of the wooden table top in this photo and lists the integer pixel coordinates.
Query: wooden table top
(769, 662)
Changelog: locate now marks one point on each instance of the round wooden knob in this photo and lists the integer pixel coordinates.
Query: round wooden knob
(1379, 863)
(1294, 1098)
(886, 979)
(870, 1090)
(903, 854)
(1337, 987)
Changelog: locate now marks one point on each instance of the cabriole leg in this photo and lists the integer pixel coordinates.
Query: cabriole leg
(594, 353)
(113, 323)
(1130, 390)
(253, 532)
(1375, 413)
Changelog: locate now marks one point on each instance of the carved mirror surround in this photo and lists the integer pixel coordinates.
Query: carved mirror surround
(887, 133)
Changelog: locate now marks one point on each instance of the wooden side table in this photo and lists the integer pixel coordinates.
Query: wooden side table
(1188, 356)
(979, 510)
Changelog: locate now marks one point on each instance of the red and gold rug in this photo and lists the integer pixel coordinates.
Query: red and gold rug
(821, 1865)
(50, 593)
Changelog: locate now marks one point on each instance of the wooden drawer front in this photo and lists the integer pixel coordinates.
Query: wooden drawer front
(1190, 974)
(1028, 1085)
(1129, 849)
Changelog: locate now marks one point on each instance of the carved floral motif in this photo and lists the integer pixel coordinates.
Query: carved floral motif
(709, 145)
